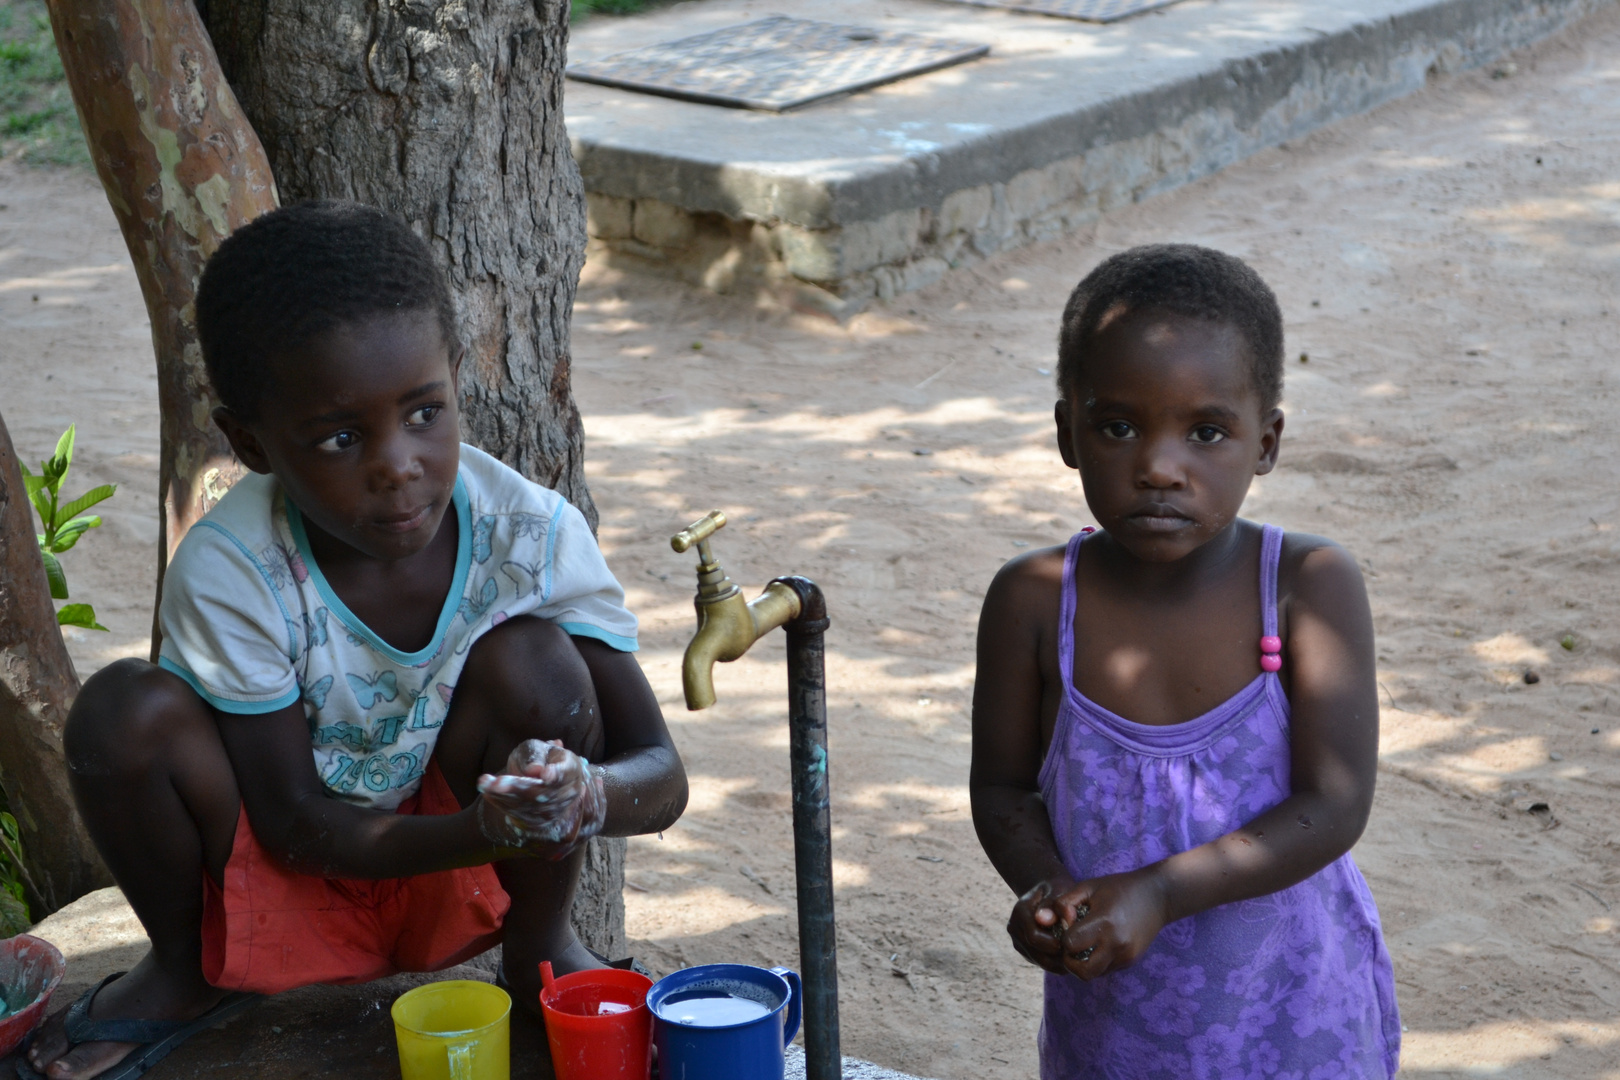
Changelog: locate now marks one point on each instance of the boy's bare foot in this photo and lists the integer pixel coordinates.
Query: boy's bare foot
(523, 977)
(146, 993)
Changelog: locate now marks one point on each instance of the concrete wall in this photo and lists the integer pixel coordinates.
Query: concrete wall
(1106, 155)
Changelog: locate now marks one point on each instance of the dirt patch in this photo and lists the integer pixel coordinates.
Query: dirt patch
(1454, 426)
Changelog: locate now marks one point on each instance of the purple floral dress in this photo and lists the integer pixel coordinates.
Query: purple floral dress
(1292, 986)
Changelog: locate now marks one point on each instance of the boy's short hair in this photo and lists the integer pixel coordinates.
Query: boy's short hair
(298, 272)
(1183, 279)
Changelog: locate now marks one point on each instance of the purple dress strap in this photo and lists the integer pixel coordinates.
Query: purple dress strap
(1271, 539)
(1294, 984)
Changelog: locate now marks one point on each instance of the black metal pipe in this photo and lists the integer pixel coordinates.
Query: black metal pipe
(812, 830)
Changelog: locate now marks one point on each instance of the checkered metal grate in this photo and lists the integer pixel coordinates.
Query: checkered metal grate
(1103, 11)
(775, 64)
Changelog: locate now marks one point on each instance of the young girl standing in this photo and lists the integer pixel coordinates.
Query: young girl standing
(1175, 723)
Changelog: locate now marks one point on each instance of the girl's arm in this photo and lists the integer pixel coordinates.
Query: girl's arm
(1333, 699)
(1008, 811)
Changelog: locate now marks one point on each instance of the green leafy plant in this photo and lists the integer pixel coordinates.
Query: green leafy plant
(581, 9)
(37, 120)
(14, 914)
(64, 523)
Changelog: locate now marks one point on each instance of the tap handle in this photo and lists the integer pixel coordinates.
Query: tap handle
(699, 531)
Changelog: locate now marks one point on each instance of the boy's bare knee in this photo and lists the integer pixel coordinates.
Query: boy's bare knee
(529, 673)
(124, 712)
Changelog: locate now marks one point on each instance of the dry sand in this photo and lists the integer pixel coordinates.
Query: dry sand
(1448, 263)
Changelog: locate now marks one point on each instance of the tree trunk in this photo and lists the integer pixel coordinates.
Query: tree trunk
(449, 113)
(36, 685)
(182, 169)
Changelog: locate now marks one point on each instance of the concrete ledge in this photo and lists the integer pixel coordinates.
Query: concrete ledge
(853, 1069)
(882, 192)
(332, 1030)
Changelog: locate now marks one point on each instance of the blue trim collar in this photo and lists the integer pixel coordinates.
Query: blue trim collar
(452, 599)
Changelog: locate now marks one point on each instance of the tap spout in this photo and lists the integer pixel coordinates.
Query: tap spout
(727, 627)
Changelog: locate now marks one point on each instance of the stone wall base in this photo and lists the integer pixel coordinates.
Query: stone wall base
(1275, 95)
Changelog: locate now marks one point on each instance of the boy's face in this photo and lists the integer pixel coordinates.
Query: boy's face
(362, 430)
(1167, 431)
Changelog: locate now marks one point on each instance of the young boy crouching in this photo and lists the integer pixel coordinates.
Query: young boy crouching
(396, 691)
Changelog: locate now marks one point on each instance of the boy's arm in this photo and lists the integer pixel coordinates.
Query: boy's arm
(1009, 813)
(1333, 701)
(295, 819)
(645, 780)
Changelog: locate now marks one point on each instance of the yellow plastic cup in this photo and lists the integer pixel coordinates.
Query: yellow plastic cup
(454, 1030)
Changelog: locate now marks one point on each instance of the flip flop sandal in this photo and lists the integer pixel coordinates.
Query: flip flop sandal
(157, 1037)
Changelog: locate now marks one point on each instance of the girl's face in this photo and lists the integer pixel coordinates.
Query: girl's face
(1166, 428)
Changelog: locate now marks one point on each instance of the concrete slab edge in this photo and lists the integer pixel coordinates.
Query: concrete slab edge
(837, 243)
(1262, 98)
(853, 1069)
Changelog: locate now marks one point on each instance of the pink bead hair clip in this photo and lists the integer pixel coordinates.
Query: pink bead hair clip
(1270, 653)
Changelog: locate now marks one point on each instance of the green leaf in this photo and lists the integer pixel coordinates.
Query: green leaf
(64, 448)
(86, 501)
(8, 825)
(13, 915)
(35, 487)
(78, 615)
(69, 534)
(54, 574)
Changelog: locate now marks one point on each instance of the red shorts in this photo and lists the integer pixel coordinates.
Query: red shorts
(269, 929)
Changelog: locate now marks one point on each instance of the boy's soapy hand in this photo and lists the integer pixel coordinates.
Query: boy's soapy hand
(1114, 920)
(547, 802)
(1037, 923)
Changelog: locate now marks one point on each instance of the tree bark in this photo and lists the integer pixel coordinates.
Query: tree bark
(182, 169)
(37, 684)
(449, 113)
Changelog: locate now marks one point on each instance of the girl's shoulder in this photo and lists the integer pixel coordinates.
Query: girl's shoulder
(1315, 569)
(1299, 547)
(1027, 587)
(1032, 572)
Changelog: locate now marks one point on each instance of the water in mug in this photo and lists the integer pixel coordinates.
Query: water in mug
(710, 1008)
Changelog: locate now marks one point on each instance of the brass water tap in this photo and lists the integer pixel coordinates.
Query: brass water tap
(727, 624)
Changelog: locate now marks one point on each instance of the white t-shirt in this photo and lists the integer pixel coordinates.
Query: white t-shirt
(250, 622)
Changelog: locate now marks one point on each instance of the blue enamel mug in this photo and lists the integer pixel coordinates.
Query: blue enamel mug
(724, 1022)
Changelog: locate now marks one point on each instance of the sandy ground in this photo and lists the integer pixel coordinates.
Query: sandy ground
(1448, 264)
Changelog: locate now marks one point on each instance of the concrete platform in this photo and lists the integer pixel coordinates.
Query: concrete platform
(853, 1069)
(315, 1032)
(883, 191)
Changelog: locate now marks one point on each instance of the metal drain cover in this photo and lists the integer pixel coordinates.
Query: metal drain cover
(776, 63)
(1103, 11)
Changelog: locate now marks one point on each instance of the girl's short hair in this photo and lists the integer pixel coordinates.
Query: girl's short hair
(1183, 279)
(298, 272)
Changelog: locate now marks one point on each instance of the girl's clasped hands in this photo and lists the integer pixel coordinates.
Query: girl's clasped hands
(1091, 928)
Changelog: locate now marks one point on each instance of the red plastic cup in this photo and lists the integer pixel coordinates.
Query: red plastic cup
(598, 1024)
